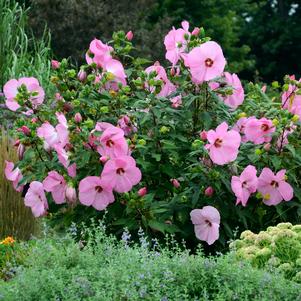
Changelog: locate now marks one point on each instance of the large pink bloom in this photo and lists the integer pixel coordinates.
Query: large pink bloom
(116, 69)
(10, 91)
(205, 62)
(121, 173)
(167, 86)
(93, 191)
(206, 223)
(245, 184)
(56, 184)
(113, 143)
(14, 175)
(54, 136)
(259, 130)
(36, 199)
(237, 97)
(175, 45)
(223, 144)
(240, 126)
(98, 53)
(273, 187)
(292, 101)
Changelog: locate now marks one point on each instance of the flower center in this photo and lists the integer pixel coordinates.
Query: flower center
(98, 189)
(208, 222)
(218, 142)
(208, 62)
(120, 171)
(264, 127)
(274, 184)
(244, 184)
(110, 143)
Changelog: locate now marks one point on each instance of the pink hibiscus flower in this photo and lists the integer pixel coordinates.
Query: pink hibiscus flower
(176, 101)
(32, 85)
(93, 191)
(126, 125)
(292, 101)
(273, 187)
(175, 45)
(205, 62)
(36, 199)
(112, 143)
(121, 173)
(54, 136)
(116, 70)
(206, 223)
(237, 97)
(56, 184)
(240, 126)
(167, 86)
(223, 144)
(14, 175)
(98, 53)
(244, 185)
(259, 131)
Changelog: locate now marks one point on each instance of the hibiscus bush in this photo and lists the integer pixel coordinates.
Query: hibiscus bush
(183, 149)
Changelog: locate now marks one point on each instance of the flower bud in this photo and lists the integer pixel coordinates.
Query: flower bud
(142, 191)
(20, 151)
(241, 115)
(267, 146)
(82, 75)
(196, 31)
(209, 191)
(175, 183)
(67, 107)
(25, 130)
(103, 159)
(295, 118)
(203, 135)
(58, 96)
(17, 142)
(34, 120)
(55, 64)
(129, 36)
(275, 122)
(78, 118)
(71, 194)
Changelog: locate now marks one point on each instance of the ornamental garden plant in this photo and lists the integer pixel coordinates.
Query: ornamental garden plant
(178, 146)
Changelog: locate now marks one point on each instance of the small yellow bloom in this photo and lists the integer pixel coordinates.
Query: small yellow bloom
(267, 196)
(7, 241)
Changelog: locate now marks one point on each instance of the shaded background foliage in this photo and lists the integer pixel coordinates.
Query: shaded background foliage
(261, 39)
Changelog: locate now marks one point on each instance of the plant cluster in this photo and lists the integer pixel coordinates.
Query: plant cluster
(99, 267)
(276, 248)
(184, 150)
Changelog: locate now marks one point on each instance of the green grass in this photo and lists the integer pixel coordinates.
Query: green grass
(20, 53)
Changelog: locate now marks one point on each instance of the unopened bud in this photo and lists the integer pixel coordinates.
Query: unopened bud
(82, 75)
(25, 130)
(21, 150)
(129, 36)
(71, 195)
(209, 191)
(196, 31)
(142, 191)
(55, 64)
(78, 118)
(175, 183)
(203, 135)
